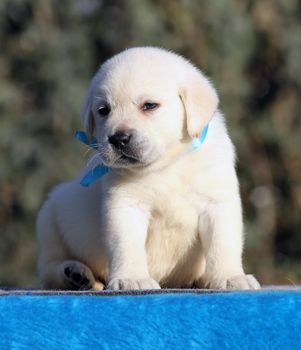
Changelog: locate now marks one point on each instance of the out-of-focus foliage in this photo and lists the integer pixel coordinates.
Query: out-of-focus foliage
(251, 49)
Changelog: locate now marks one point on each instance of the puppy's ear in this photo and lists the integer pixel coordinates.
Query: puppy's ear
(200, 100)
(86, 112)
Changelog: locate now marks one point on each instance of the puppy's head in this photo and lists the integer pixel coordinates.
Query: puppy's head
(144, 102)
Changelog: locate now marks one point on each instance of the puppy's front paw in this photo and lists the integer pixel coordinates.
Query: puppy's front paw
(130, 284)
(77, 276)
(238, 282)
(243, 282)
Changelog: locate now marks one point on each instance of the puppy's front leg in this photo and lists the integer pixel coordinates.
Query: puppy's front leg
(223, 242)
(126, 235)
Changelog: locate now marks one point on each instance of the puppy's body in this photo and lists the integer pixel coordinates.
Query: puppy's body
(174, 221)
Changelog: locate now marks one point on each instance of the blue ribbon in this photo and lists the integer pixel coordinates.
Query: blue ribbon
(94, 174)
(82, 136)
(101, 170)
(97, 172)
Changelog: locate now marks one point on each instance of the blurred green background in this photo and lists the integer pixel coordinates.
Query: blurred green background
(50, 49)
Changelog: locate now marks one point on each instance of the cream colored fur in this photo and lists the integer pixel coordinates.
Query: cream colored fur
(176, 220)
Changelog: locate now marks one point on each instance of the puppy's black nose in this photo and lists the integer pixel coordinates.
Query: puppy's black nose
(120, 139)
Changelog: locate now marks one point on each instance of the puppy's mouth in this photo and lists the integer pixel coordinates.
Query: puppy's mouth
(129, 158)
(122, 159)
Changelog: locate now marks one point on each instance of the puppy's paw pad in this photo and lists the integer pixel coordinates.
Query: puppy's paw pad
(243, 282)
(132, 284)
(77, 276)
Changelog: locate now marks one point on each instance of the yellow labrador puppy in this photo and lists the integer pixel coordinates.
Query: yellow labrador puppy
(166, 215)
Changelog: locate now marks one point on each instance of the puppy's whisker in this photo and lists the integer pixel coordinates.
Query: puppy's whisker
(87, 151)
(94, 160)
(92, 147)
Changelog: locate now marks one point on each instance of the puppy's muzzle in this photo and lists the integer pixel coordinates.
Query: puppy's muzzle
(121, 139)
(126, 144)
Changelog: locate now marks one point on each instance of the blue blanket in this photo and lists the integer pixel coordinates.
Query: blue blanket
(166, 320)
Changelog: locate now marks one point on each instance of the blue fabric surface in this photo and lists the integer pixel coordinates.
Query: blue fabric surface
(237, 320)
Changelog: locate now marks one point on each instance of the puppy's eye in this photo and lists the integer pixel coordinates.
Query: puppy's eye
(104, 110)
(148, 106)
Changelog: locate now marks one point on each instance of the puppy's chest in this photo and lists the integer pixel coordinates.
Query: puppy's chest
(173, 214)
(172, 233)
